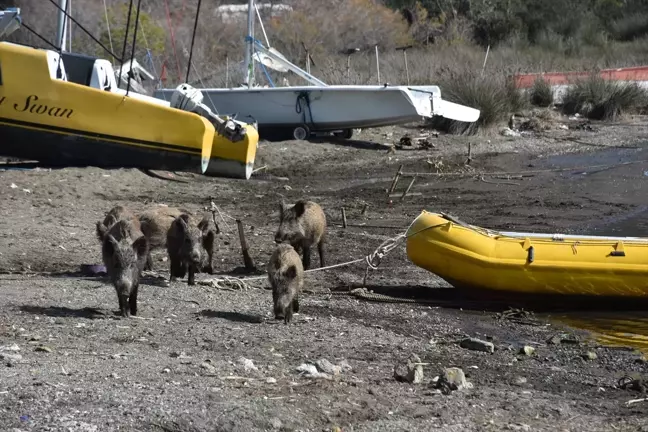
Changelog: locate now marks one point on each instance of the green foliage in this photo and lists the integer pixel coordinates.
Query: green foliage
(150, 34)
(601, 99)
(541, 93)
(572, 24)
(630, 27)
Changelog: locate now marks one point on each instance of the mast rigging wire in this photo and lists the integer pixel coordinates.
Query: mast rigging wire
(173, 42)
(108, 26)
(193, 39)
(121, 68)
(23, 24)
(85, 30)
(139, 5)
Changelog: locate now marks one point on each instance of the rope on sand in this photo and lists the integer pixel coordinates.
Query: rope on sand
(372, 260)
(365, 294)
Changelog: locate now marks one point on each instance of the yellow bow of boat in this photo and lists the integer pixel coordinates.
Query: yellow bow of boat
(70, 119)
(476, 258)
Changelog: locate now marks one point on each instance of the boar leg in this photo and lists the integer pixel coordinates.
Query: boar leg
(123, 306)
(191, 280)
(132, 300)
(307, 257)
(149, 262)
(288, 313)
(295, 304)
(320, 249)
(178, 269)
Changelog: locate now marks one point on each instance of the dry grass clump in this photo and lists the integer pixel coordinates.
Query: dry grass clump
(492, 94)
(541, 93)
(600, 99)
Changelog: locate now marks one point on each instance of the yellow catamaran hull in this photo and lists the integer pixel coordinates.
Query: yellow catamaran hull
(63, 123)
(475, 258)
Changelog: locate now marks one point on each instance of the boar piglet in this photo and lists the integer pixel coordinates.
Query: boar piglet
(124, 252)
(190, 246)
(286, 276)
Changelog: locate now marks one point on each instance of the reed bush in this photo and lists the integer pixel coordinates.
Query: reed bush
(541, 93)
(602, 99)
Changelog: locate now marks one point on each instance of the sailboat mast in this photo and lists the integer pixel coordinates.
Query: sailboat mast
(69, 5)
(249, 49)
(61, 25)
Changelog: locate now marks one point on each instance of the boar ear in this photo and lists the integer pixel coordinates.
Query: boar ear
(111, 219)
(205, 227)
(208, 239)
(140, 246)
(101, 231)
(184, 217)
(110, 246)
(181, 223)
(291, 272)
(300, 208)
(125, 226)
(277, 264)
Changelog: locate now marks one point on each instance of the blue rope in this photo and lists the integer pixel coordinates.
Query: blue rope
(304, 96)
(265, 71)
(254, 40)
(149, 57)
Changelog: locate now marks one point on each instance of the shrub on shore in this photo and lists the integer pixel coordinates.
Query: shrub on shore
(541, 93)
(600, 99)
(492, 94)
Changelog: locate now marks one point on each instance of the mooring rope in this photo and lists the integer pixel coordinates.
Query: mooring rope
(372, 260)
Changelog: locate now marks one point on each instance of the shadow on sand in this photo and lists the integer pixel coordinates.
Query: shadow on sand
(231, 316)
(65, 312)
(475, 300)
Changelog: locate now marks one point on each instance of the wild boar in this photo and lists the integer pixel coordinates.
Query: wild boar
(124, 251)
(302, 226)
(190, 246)
(155, 226)
(286, 276)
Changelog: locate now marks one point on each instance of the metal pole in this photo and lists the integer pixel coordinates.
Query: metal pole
(308, 62)
(258, 14)
(348, 68)
(406, 67)
(61, 25)
(377, 64)
(226, 70)
(485, 58)
(405, 48)
(70, 25)
(249, 50)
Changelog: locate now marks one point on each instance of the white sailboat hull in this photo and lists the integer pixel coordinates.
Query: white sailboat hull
(327, 108)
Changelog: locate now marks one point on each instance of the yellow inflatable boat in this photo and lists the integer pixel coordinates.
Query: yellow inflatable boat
(474, 258)
(81, 118)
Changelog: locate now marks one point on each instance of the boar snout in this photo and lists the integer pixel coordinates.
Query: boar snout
(194, 256)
